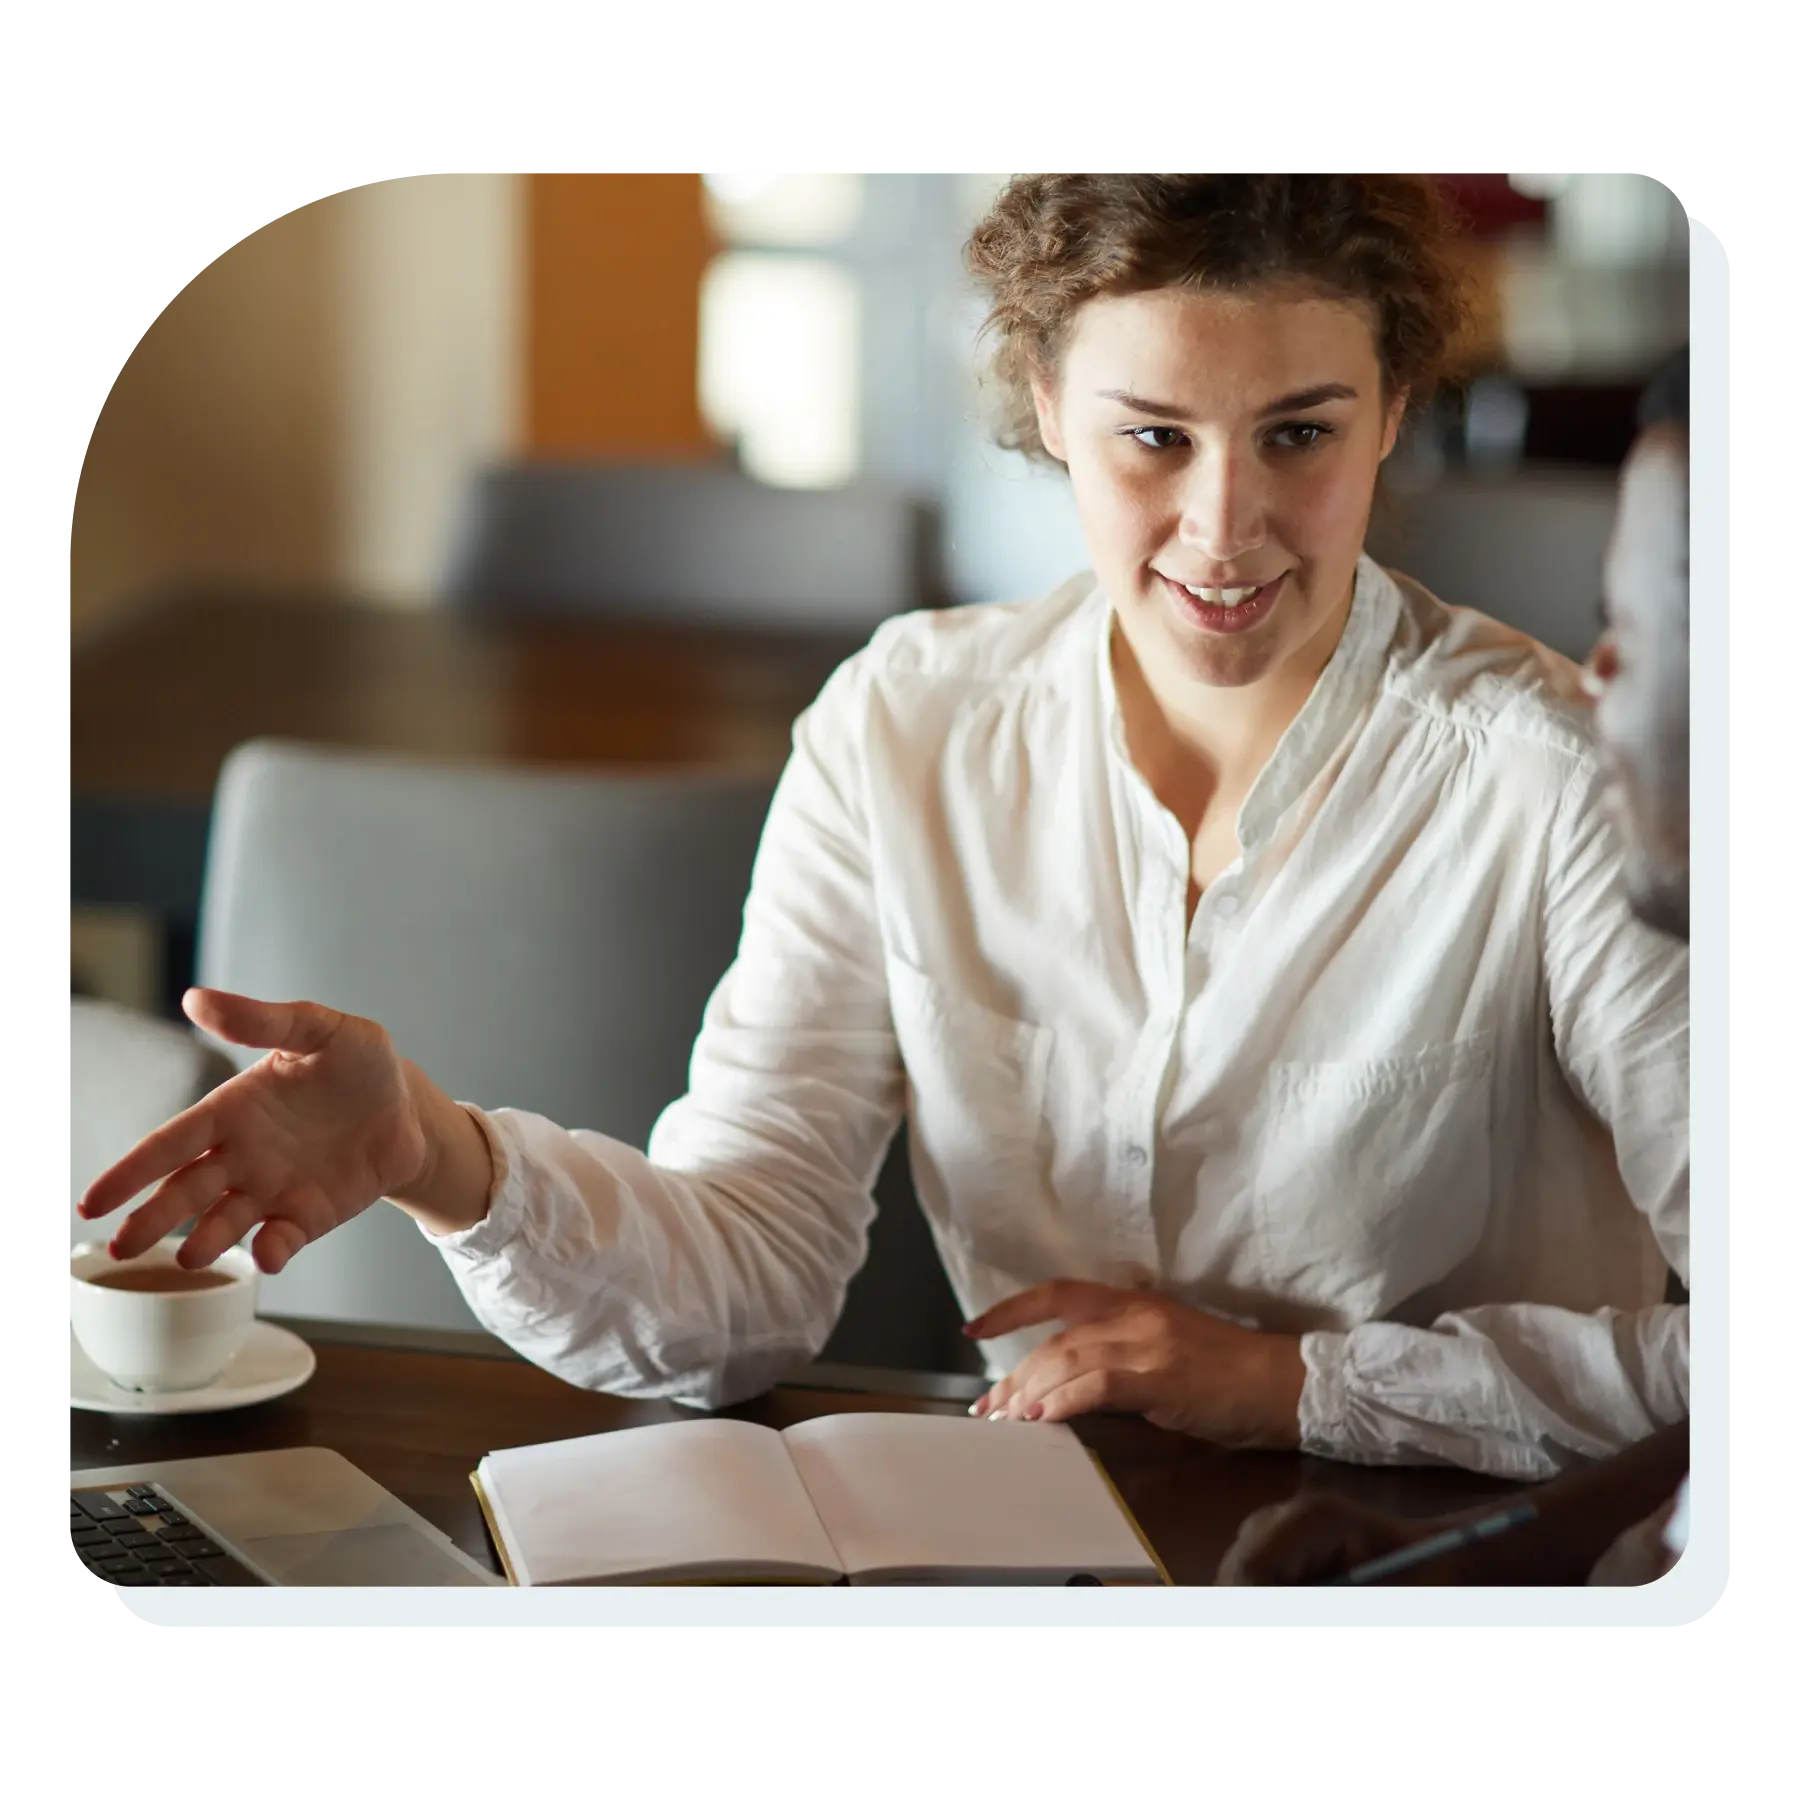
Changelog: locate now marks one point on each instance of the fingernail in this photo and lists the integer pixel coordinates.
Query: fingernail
(975, 1410)
(1035, 1412)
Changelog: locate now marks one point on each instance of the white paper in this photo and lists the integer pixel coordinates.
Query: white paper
(654, 1501)
(918, 1492)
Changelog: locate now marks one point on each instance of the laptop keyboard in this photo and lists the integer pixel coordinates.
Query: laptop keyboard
(138, 1537)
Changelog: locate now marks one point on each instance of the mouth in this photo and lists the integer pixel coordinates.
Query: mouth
(1226, 609)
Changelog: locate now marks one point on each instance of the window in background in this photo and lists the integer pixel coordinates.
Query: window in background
(781, 326)
(803, 211)
(1010, 525)
(1601, 295)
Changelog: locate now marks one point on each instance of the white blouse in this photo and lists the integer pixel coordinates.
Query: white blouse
(1413, 1083)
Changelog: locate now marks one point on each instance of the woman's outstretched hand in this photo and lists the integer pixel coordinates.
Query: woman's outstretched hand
(310, 1136)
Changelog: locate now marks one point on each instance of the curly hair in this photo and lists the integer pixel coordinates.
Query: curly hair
(1050, 243)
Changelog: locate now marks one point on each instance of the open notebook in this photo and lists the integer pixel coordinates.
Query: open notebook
(864, 1497)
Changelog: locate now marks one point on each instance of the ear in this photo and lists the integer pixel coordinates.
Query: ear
(1043, 400)
(1390, 428)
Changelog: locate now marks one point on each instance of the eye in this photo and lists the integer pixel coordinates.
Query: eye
(1157, 437)
(1311, 433)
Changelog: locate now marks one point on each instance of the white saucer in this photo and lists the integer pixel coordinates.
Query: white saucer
(271, 1362)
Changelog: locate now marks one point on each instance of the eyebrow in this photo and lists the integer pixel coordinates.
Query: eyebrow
(1299, 401)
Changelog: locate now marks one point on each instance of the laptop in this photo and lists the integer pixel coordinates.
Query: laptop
(305, 1517)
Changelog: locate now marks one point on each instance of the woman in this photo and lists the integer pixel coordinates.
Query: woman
(1238, 930)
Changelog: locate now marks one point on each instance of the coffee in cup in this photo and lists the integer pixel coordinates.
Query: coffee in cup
(160, 1278)
(150, 1325)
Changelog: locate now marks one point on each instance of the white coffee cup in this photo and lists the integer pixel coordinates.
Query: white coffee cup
(159, 1341)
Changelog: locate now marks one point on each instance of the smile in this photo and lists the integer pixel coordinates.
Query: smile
(1226, 609)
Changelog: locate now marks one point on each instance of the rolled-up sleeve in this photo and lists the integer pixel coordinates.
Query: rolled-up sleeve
(1524, 1390)
(712, 1263)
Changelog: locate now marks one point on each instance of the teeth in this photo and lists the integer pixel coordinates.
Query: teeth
(1234, 596)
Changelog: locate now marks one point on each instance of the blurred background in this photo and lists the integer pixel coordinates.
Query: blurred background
(392, 397)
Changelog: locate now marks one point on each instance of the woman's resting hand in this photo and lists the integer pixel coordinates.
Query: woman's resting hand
(1133, 1351)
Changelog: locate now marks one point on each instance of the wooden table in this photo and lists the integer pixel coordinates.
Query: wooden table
(161, 695)
(419, 1419)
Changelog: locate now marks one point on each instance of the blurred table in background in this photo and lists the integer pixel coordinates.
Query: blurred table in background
(161, 695)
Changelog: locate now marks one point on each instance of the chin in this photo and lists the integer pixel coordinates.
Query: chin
(1213, 661)
(1239, 668)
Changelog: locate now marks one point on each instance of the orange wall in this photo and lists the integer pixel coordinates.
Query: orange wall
(612, 316)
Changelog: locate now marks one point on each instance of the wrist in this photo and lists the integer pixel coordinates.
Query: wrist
(450, 1191)
(1283, 1380)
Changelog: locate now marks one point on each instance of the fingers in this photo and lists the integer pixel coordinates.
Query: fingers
(187, 1136)
(300, 1214)
(1082, 1351)
(275, 1243)
(1085, 1393)
(299, 1027)
(1073, 1302)
(221, 1226)
(187, 1192)
(1245, 1563)
(1307, 1539)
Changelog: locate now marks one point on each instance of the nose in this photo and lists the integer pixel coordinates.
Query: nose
(1224, 507)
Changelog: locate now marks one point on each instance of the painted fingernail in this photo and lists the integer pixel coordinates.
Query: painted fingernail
(1035, 1412)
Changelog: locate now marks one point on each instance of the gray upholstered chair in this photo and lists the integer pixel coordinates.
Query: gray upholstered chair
(128, 1074)
(531, 938)
(690, 543)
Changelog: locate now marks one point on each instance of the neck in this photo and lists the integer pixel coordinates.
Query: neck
(1179, 727)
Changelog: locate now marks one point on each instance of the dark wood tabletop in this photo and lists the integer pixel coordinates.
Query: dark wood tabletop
(419, 1420)
(160, 695)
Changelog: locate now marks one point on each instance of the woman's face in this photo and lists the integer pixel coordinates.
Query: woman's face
(1638, 675)
(1223, 450)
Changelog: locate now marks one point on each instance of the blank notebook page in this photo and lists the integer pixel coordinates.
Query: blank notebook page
(658, 1497)
(912, 1491)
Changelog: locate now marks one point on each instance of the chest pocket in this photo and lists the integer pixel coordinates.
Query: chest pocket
(1373, 1179)
(975, 1099)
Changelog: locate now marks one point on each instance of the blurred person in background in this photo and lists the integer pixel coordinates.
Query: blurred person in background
(1240, 932)
(1624, 1521)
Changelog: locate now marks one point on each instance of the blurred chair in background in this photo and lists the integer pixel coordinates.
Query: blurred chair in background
(539, 939)
(1524, 548)
(691, 544)
(128, 1074)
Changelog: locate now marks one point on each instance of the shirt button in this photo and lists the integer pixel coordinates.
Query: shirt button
(1137, 1156)
(1227, 905)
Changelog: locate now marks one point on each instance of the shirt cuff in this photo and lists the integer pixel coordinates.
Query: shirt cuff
(505, 1214)
(1322, 1428)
